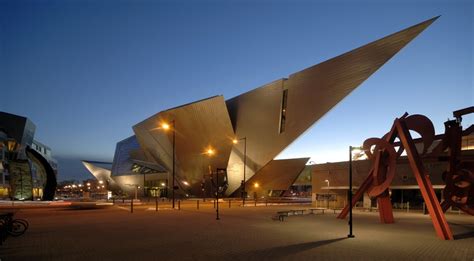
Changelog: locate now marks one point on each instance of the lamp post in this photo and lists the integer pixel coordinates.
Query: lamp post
(144, 186)
(349, 193)
(327, 192)
(217, 195)
(166, 126)
(235, 141)
(136, 191)
(210, 152)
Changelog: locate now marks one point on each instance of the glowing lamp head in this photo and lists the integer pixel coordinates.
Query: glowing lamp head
(210, 152)
(12, 145)
(165, 126)
(235, 141)
(256, 185)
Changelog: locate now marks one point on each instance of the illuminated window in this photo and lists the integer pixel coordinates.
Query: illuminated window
(283, 110)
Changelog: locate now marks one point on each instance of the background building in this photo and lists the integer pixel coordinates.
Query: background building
(27, 168)
(330, 181)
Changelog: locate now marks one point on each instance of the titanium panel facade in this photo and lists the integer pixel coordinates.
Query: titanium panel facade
(101, 174)
(199, 125)
(275, 178)
(311, 93)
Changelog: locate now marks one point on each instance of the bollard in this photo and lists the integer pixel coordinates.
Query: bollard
(229, 203)
(424, 209)
(113, 201)
(123, 200)
(156, 204)
(179, 204)
(131, 205)
(266, 203)
(214, 203)
(408, 207)
(197, 204)
(255, 202)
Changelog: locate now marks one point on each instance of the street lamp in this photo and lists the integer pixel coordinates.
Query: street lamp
(235, 141)
(349, 194)
(210, 152)
(166, 127)
(327, 192)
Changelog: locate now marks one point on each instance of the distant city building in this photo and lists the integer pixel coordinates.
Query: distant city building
(87, 189)
(28, 170)
(239, 138)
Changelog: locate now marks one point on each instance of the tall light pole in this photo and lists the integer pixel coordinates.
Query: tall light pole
(144, 186)
(327, 190)
(349, 193)
(166, 127)
(235, 141)
(210, 152)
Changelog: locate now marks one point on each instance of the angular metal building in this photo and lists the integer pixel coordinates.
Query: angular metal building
(266, 120)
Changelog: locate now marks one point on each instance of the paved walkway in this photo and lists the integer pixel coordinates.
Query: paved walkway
(248, 233)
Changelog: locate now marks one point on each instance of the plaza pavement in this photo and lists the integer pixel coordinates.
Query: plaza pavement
(113, 233)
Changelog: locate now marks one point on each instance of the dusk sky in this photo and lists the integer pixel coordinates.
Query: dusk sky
(86, 71)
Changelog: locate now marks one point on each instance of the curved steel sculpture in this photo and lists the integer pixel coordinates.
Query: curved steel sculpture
(459, 177)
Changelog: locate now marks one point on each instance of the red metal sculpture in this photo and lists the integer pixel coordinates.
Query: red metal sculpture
(459, 177)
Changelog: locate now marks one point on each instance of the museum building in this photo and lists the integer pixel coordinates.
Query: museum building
(232, 143)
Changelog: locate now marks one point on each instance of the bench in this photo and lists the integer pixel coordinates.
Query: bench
(298, 211)
(317, 209)
(281, 215)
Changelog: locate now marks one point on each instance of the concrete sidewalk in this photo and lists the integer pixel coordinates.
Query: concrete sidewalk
(242, 234)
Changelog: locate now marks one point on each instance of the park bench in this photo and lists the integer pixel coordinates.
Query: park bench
(281, 215)
(298, 211)
(316, 209)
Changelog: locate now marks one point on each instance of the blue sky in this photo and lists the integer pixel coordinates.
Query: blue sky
(86, 71)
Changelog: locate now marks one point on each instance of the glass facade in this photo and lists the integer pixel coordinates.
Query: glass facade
(123, 164)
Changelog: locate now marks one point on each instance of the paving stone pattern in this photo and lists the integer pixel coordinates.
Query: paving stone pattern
(241, 234)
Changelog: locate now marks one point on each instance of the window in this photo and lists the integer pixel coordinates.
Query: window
(283, 110)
